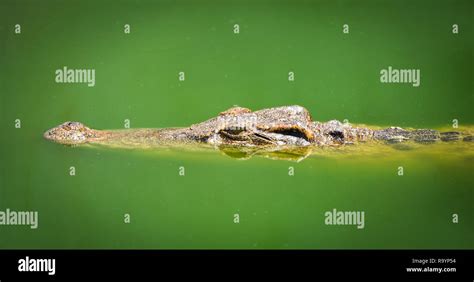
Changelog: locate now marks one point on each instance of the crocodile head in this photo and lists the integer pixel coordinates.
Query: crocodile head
(70, 133)
(281, 126)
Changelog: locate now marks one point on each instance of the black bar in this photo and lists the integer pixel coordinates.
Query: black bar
(241, 264)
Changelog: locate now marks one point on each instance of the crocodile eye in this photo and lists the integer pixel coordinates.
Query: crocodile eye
(338, 135)
(295, 132)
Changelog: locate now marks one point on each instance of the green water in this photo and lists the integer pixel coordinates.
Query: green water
(336, 77)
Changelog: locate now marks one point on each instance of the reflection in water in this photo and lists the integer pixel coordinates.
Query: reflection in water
(279, 153)
(455, 150)
(460, 149)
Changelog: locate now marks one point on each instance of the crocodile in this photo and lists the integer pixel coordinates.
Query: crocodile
(238, 127)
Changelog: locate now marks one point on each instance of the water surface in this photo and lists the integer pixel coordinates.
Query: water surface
(336, 77)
